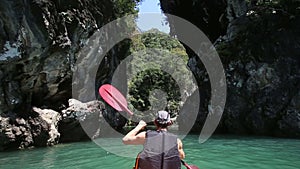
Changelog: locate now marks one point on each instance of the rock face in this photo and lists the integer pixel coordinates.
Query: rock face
(40, 129)
(208, 15)
(81, 121)
(39, 41)
(52, 119)
(260, 54)
(17, 133)
(46, 127)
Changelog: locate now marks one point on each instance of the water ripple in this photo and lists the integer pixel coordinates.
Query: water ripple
(217, 153)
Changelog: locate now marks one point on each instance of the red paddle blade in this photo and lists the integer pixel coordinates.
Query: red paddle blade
(109, 93)
(114, 98)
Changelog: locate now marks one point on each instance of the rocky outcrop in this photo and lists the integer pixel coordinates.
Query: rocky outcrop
(46, 127)
(14, 133)
(52, 118)
(40, 129)
(81, 121)
(260, 53)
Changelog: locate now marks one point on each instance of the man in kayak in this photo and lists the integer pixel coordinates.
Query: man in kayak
(162, 150)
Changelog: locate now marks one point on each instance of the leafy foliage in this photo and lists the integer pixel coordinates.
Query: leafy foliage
(124, 7)
(158, 61)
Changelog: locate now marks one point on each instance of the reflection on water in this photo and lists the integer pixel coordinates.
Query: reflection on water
(218, 153)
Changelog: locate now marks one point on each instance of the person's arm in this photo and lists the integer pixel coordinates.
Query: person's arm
(180, 149)
(133, 138)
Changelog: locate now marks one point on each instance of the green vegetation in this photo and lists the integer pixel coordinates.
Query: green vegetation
(125, 7)
(158, 72)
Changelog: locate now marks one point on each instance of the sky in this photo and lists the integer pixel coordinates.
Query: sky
(150, 16)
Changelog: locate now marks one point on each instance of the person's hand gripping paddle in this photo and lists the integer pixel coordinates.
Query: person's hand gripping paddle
(115, 99)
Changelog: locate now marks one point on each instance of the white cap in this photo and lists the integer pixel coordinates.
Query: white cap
(163, 117)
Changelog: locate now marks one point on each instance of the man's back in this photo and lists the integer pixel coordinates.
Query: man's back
(160, 151)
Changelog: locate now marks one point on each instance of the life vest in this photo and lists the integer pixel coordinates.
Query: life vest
(160, 152)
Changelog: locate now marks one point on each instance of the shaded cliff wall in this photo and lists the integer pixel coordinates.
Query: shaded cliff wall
(39, 41)
(259, 45)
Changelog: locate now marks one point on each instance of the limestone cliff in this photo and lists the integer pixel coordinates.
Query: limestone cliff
(39, 41)
(258, 43)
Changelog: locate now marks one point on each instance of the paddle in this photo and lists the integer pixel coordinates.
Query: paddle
(189, 166)
(115, 99)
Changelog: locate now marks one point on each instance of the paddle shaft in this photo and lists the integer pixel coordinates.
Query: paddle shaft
(188, 166)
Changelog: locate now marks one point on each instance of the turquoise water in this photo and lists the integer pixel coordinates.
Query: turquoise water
(217, 153)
